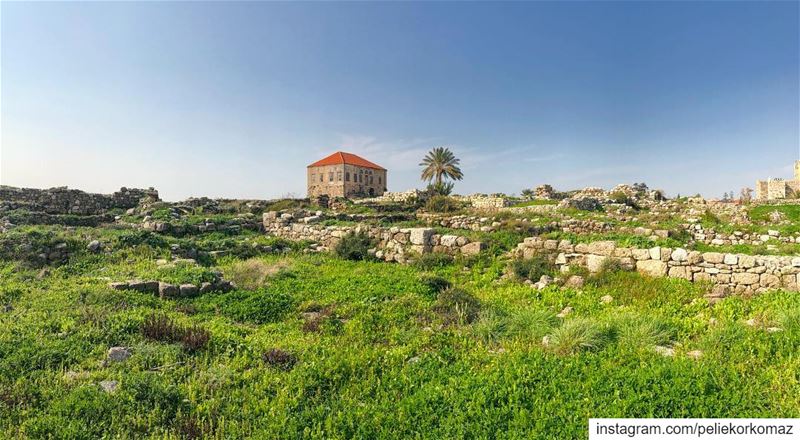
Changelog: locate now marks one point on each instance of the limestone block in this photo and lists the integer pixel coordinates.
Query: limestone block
(679, 255)
(713, 257)
(166, 290)
(745, 278)
(640, 254)
(594, 262)
(473, 248)
(448, 240)
(680, 272)
(604, 248)
(655, 268)
(730, 259)
(420, 236)
(770, 281)
(702, 276)
(747, 261)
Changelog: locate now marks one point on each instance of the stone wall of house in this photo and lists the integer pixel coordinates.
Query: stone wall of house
(393, 244)
(71, 201)
(729, 273)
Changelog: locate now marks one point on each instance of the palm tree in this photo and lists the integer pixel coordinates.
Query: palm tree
(440, 163)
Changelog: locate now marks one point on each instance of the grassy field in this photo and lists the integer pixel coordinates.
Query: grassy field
(313, 346)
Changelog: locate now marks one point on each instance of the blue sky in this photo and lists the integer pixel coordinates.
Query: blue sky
(235, 99)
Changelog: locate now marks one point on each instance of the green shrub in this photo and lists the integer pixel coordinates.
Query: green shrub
(621, 198)
(434, 283)
(441, 188)
(353, 246)
(531, 323)
(442, 204)
(432, 260)
(280, 359)
(491, 326)
(455, 305)
(531, 268)
(253, 273)
(578, 334)
(161, 328)
(140, 237)
(257, 307)
(643, 332)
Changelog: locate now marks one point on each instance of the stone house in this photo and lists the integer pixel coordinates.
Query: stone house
(772, 189)
(345, 175)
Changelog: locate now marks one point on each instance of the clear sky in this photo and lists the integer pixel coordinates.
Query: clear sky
(235, 99)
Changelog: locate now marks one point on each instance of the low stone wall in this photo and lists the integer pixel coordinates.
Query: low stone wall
(534, 209)
(730, 273)
(710, 236)
(72, 201)
(396, 197)
(248, 222)
(393, 244)
(469, 222)
(479, 201)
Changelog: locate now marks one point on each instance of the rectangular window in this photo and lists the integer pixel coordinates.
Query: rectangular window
(330, 176)
(321, 177)
(347, 176)
(370, 180)
(379, 180)
(339, 176)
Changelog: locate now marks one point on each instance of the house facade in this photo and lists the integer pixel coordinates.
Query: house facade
(773, 189)
(345, 175)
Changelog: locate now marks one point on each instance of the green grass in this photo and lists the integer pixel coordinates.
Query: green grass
(791, 213)
(384, 356)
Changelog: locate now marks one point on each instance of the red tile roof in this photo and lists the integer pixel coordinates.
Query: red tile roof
(341, 157)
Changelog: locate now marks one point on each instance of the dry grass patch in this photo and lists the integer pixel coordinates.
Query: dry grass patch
(255, 272)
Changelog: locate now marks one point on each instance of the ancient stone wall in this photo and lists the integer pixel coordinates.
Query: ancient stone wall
(72, 201)
(712, 237)
(480, 201)
(393, 244)
(729, 273)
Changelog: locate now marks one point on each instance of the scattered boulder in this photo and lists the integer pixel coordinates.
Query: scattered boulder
(575, 282)
(118, 354)
(109, 386)
(94, 246)
(695, 354)
(606, 299)
(144, 286)
(665, 351)
(188, 290)
(564, 312)
(166, 290)
(473, 248)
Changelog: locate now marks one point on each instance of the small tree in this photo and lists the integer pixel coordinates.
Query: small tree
(527, 194)
(439, 164)
(746, 195)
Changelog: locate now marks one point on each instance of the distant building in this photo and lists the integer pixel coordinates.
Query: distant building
(345, 175)
(772, 189)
